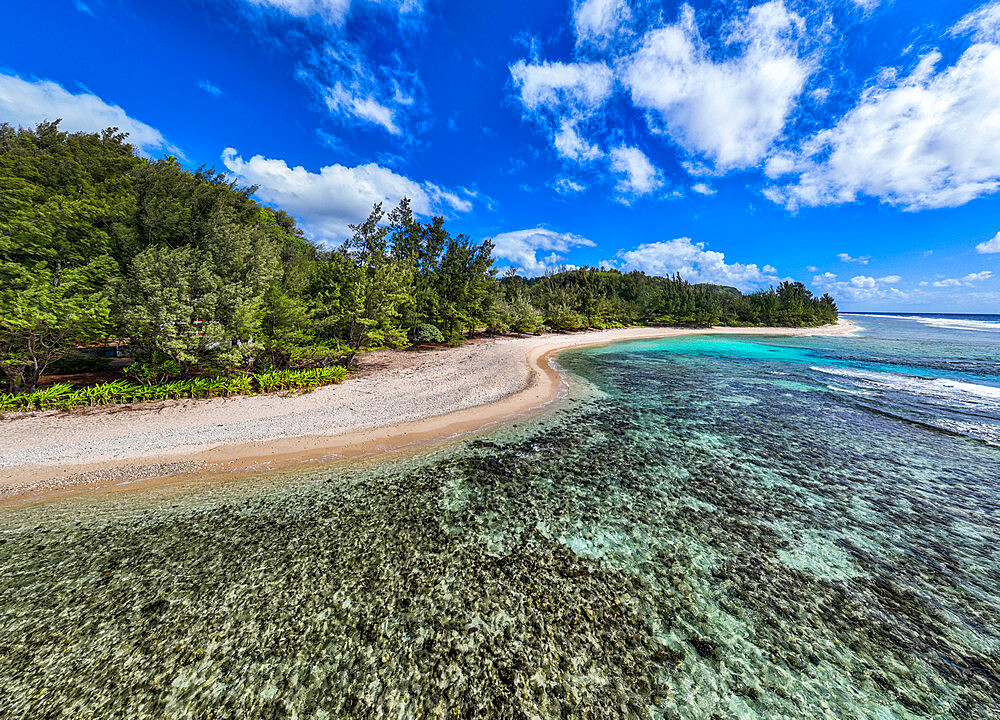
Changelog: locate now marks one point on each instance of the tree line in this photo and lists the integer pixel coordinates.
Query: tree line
(588, 297)
(97, 242)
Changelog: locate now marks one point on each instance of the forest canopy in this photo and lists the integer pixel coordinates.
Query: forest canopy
(98, 243)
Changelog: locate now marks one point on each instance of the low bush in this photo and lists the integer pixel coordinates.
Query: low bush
(428, 333)
(62, 396)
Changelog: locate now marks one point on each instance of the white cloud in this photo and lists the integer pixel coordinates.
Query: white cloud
(983, 25)
(966, 281)
(328, 201)
(703, 189)
(26, 103)
(571, 146)
(990, 246)
(867, 5)
(844, 257)
(730, 111)
(209, 88)
(363, 78)
(694, 263)
(521, 248)
(340, 99)
(461, 202)
(562, 97)
(330, 11)
(860, 287)
(582, 87)
(926, 140)
(358, 89)
(565, 186)
(637, 176)
(596, 21)
(811, 268)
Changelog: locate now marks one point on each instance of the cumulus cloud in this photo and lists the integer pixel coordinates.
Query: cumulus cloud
(695, 264)
(562, 97)
(725, 103)
(990, 246)
(522, 247)
(597, 21)
(637, 176)
(844, 257)
(581, 87)
(860, 287)
(26, 103)
(924, 140)
(729, 111)
(326, 202)
(965, 281)
(703, 189)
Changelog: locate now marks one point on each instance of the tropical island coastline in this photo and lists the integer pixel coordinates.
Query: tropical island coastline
(137, 295)
(398, 399)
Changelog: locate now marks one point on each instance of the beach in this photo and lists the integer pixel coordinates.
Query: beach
(757, 525)
(397, 400)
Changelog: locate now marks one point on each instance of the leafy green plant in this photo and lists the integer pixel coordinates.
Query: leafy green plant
(428, 333)
(152, 370)
(62, 396)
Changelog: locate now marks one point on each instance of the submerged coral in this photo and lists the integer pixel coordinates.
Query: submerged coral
(650, 552)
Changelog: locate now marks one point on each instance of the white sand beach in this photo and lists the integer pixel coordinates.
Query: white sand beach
(397, 399)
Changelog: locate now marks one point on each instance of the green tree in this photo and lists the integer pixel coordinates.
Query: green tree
(61, 198)
(201, 303)
(361, 290)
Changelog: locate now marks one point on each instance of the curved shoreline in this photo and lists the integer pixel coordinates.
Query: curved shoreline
(420, 400)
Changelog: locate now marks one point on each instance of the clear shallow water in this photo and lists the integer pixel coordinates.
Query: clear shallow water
(758, 528)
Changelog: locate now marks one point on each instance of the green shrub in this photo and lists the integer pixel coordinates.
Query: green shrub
(428, 333)
(152, 370)
(62, 396)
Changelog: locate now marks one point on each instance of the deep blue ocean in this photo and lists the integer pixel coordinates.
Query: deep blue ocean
(714, 527)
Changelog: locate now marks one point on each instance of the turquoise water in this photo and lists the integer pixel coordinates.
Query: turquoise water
(724, 528)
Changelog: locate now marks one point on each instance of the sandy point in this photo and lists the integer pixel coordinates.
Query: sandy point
(399, 401)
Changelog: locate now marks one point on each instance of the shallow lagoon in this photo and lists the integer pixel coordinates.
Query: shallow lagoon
(721, 529)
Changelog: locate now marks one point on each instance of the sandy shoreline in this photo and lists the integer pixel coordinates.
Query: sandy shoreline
(398, 400)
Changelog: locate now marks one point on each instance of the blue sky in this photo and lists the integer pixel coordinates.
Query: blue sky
(853, 145)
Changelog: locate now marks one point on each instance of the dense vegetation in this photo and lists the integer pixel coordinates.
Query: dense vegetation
(201, 281)
(608, 298)
(63, 396)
